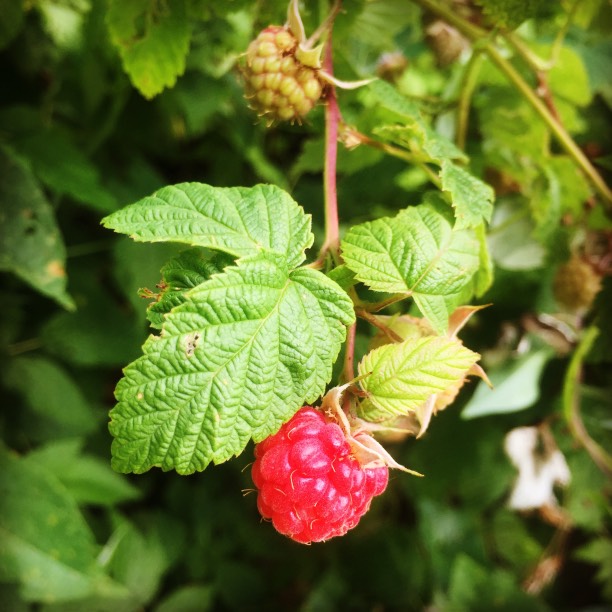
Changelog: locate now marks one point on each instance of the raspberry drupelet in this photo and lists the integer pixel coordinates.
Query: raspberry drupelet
(309, 483)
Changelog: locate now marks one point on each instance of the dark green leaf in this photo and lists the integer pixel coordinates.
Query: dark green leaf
(46, 543)
(30, 242)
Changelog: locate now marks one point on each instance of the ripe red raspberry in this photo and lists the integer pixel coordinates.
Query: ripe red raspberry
(278, 85)
(310, 484)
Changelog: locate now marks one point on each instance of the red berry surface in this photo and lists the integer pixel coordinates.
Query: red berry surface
(309, 483)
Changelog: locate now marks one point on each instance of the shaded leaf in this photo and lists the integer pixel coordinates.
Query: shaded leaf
(11, 22)
(46, 543)
(89, 479)
(183, 272)
(53, 396)
(188, 599)
(62, 166)
(30, 242)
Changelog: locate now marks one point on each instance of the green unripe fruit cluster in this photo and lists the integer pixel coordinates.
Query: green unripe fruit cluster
(576, 284)
(278, 85)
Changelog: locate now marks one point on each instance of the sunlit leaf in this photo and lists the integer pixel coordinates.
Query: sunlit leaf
(233, 362)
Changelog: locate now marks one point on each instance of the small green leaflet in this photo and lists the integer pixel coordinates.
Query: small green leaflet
(420, 138)
(185, 271)
(414, 132)
(399, 378)
(417, 253)
(233, 362)
(153, 41)
(240, 221)
(470, 197)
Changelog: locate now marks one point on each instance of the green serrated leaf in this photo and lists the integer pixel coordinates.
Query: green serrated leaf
(30, 242)
(483, 279)
(241, 221)
(153, 41)
(471, 198)
(391, 99)
(562, 189)
(376, 22)
(599, 552)
(474, 587)
(399, 378)
(416, 253)
(418, 137)
(183, 272)
(233, 362)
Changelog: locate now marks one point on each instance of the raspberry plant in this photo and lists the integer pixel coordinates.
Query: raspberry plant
(360, 265)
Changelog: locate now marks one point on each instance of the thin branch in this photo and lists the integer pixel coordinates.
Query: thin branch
(332, 119)
(571, 403)
(468, 86)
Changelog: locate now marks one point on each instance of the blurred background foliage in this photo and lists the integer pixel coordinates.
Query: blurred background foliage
(101, 103)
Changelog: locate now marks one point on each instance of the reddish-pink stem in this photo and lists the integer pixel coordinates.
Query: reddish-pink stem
(332, 119)
(348, 372)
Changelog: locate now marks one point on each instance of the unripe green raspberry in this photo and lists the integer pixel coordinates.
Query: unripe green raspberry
(278, 85)
(576, 284)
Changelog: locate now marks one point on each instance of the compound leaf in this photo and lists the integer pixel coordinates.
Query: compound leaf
(153, 41)
(416, 253)
(240, 221)
(400, 377)
(247, 348)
